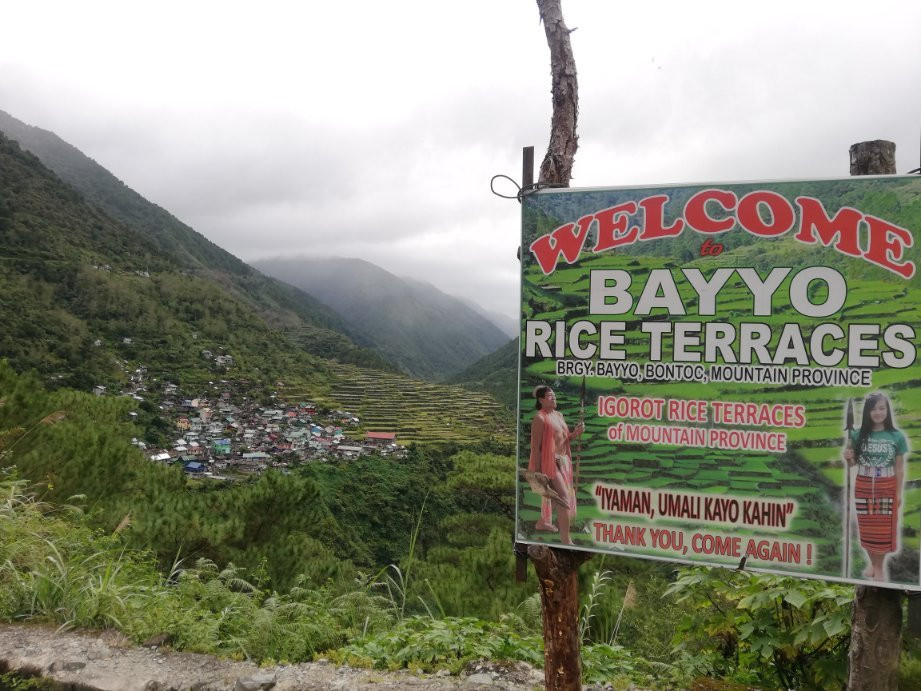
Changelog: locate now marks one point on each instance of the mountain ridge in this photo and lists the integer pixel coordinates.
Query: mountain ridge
(496, 374)
(503, 322)
(425, 331)
(311, 325)
(83, 295)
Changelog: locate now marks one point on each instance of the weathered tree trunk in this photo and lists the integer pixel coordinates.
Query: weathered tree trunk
(873, 158)
(558, 574)
(876, 640)
(876, 623)
(556, 167)
(558, 569)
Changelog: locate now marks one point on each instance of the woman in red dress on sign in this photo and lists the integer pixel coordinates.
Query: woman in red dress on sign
(551, 455)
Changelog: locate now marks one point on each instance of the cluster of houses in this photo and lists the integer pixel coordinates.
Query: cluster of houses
(107, 267)
(219, 360)
(217, 437)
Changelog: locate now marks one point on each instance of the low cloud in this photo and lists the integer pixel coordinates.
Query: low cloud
(373, 133)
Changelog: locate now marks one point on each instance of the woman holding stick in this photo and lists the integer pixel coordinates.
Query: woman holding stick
(878, 451)
(551, 455)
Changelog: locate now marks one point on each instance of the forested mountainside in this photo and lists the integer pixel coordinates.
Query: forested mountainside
(426, 332)
(82, 295)
(507, 325)
(497, 374)
(85, 301)
(311, 324)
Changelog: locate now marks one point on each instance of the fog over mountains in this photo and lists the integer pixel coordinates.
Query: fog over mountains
(413, 324)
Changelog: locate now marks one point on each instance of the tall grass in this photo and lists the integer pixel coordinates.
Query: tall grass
(396, 582)
(55, 568)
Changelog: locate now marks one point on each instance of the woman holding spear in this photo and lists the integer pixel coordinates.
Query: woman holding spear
(551, 456)
(878, 451)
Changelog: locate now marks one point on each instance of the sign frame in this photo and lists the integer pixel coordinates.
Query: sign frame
(582, 249)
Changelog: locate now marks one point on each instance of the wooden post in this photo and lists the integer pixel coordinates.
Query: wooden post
(558, 575)
(527, 167)
(873, 158)
(876, 640)
(557, 165)
(876, 622)
(558, 569)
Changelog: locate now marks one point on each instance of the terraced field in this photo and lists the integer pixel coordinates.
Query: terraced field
(418, 411)
(810, 472)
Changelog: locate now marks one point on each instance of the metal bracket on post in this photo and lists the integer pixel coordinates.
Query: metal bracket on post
(914, 614)
(527, 178)
(527, 174)
(521, 562)
(527, 167)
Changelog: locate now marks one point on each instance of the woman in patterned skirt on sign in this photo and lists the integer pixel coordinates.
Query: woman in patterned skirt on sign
(878, 450)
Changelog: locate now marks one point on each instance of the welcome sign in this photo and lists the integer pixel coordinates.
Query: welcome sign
(725, 374)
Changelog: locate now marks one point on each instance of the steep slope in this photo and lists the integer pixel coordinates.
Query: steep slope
(497, 374)
(84, 299)
(424, 331)
(507, 325)
(312, 325)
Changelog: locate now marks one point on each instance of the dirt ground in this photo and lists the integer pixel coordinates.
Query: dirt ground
(108, 662)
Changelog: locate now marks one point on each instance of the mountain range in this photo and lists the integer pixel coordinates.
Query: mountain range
(413, 324)
(347, 310)
(82, 295)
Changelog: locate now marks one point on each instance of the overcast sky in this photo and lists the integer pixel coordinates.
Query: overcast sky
(371, 129)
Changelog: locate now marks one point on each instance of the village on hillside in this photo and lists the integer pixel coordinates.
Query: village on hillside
(226, 436)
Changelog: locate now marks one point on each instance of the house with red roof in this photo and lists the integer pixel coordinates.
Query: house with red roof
(381, 438)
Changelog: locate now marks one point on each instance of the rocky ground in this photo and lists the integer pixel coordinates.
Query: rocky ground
(108, 662)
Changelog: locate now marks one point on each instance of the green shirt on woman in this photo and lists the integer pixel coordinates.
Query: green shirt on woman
(881, 449)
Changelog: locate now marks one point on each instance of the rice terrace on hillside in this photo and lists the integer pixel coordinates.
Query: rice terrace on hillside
(418, 411)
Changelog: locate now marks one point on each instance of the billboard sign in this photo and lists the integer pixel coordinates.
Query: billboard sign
(725, 374)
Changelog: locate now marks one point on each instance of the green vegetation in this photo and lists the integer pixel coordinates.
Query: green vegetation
(637, 629)
(256, 571)
(800, 628)
(497, 374)
(78, 444)
(56, 568)
(416, 410)
(85, 297)
(425, 332)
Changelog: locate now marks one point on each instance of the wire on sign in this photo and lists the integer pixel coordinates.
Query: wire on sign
(521, 191)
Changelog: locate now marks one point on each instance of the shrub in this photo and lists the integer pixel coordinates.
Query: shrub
(753, 627)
